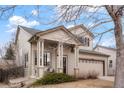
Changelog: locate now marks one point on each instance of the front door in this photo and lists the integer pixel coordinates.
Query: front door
(64, 64)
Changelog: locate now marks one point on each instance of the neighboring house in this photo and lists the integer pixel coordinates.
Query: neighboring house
(60, 50)
(111, 59)
(5, 64)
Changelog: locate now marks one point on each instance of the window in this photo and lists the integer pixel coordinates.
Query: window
(88, 42)
(26, 60)
(85, 41)
(47, 59)
(81, 40)
(110, 63)
(35, 57)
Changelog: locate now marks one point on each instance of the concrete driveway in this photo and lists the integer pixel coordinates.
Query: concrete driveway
(108, 78)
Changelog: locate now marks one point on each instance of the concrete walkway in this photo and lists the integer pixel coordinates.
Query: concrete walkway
(16, 83)
(108, 78)
(2, 85)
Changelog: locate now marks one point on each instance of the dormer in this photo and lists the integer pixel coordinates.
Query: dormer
(84, 35)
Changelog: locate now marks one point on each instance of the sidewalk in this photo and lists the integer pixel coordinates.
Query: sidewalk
(2, 85)
(109, 78)
(16, 83)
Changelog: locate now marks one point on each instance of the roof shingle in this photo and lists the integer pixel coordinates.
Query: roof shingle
(92, 52)
(30, 30)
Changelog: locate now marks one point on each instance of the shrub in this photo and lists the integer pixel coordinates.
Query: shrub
(89, 75)
(54, 78)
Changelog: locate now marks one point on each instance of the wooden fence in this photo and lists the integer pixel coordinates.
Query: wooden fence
(6, 74)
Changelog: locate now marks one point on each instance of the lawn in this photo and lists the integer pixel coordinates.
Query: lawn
(90, 83)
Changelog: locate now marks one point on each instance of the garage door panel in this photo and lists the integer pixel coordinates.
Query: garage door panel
(87, 66)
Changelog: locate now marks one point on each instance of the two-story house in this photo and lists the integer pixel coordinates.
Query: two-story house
(59, 50)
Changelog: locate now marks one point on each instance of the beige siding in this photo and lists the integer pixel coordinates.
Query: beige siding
(70, 61)
(59, 36)
(112, 57)
(81, 32)
(23, 44)
(23, 47)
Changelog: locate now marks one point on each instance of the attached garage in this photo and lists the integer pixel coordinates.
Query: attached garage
(92, 66)
(92, 62)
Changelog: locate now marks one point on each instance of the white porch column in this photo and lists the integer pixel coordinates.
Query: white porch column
(40, 58)
(76, 68)
(42, 61)
(60, 58)
(32, 62)
(38, 52)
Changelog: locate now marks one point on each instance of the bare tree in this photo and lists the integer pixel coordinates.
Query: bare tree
(1, 52)
(116, 14)
(73, 13)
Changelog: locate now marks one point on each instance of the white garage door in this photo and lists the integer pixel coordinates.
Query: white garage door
(89, 66)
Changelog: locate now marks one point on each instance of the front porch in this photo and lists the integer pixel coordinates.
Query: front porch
(53, 56)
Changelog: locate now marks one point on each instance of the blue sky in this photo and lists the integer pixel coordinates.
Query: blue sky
(28, 16)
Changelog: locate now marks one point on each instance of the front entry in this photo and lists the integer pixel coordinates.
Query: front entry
(64, 64)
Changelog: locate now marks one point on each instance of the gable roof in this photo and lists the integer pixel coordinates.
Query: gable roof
(56, 29)
(29, 30)
(83, 27)
(92, 52)
(35, 32)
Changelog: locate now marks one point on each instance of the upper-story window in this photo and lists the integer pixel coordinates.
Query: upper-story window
(85, 41)
(110, 63)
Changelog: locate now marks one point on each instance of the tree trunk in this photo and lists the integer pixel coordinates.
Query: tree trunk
(119, 74)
